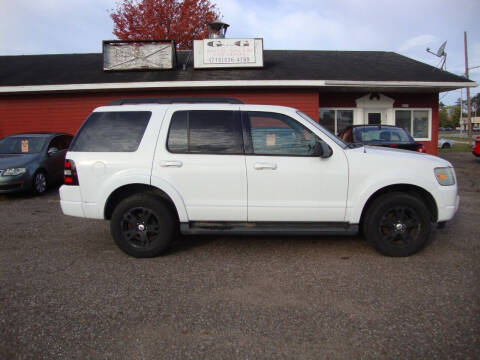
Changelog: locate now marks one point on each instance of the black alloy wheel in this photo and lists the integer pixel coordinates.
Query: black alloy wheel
(398, 224)
(142, 226)
(446, 146)
(39, 182)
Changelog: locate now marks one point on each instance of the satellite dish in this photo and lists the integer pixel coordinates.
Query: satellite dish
(441, 50)
(441, 54)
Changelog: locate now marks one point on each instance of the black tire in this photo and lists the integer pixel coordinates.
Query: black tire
(398, 224)
(143, 226)
(446, 146)
(39, 182)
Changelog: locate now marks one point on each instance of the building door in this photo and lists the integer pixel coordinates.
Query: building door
(374, 117)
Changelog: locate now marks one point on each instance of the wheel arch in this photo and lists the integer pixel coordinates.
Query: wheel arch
(414, 190)
(125, 191)
(41, 169)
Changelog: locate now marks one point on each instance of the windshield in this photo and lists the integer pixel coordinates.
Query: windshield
(381, 134)
(337, 140)
(22, 145)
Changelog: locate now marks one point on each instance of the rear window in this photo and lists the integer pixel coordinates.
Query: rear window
(116, 131)
(379, 134)
(22, 145)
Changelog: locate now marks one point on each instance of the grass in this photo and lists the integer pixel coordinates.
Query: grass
(458, 148)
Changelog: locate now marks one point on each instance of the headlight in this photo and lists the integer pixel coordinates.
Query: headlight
(14, 172)
(445, 176)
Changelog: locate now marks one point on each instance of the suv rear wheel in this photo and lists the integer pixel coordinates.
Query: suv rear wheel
(398, 224)
(142, 226)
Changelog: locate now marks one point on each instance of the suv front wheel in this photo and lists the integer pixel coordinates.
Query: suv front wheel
(397, 224)
(142, 226)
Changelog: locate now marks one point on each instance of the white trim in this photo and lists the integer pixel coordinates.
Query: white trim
(375, 102)
(432, 84)
(231, 83)
(429, 110)
(165, 85)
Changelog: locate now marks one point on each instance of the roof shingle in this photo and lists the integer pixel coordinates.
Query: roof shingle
(278, 65)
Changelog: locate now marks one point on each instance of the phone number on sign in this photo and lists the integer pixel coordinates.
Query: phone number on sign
(228, 60)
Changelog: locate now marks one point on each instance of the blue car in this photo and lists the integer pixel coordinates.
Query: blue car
(32, 161)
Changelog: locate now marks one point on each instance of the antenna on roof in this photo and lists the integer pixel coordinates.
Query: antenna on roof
(441, 54)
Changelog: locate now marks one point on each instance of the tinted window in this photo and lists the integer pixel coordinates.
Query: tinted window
(119, 131)
(205, 132)
(178, 135)
(61, 142)
(277, 134)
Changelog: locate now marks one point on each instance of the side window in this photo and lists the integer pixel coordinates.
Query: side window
(205, 132)
(66, 140)
(278, 134)
(115, 131)
(55, 144)
(61, 142)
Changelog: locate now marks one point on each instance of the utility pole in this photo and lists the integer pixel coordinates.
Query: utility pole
(469, 111)
(461, 111)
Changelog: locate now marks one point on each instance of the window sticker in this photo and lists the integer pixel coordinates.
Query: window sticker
(271, 140)
(25, 146)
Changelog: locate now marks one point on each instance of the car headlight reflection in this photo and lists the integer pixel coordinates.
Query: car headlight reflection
(14, 171)
(445, 176)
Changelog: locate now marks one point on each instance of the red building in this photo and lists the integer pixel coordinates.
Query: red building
(339, 88)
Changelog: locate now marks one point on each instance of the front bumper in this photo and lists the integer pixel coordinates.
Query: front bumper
(12, 184)
(447, 212)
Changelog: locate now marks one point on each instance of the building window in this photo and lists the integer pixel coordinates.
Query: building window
(336, 120)
(416, 122)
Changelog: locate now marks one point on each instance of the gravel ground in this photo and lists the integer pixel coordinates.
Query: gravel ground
(67, 292)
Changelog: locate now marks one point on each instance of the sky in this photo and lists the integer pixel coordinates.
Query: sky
(407, 27)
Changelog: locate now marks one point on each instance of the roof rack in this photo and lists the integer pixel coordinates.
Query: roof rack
(174, 100)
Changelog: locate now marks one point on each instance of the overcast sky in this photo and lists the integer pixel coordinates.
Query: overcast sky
(406, 27)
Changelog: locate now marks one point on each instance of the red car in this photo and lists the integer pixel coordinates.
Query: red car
(476, 148)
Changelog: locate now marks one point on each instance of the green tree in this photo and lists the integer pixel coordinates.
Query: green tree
(443, 117)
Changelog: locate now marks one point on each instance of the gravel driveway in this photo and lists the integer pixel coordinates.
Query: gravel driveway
(67, 292)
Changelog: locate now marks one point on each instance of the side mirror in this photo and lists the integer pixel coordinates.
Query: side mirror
(322, 150)
(52, 151)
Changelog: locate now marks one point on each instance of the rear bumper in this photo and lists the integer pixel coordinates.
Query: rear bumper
(71, 201)
(72, 204)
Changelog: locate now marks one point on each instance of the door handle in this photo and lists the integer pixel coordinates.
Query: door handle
(170, 163)
(264, 166)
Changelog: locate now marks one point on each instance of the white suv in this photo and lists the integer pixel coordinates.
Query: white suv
(190, 166)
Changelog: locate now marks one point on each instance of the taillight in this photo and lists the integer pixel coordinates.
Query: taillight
(70, 173)
(421, 149)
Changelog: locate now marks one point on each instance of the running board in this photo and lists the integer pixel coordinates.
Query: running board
(268, 228)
